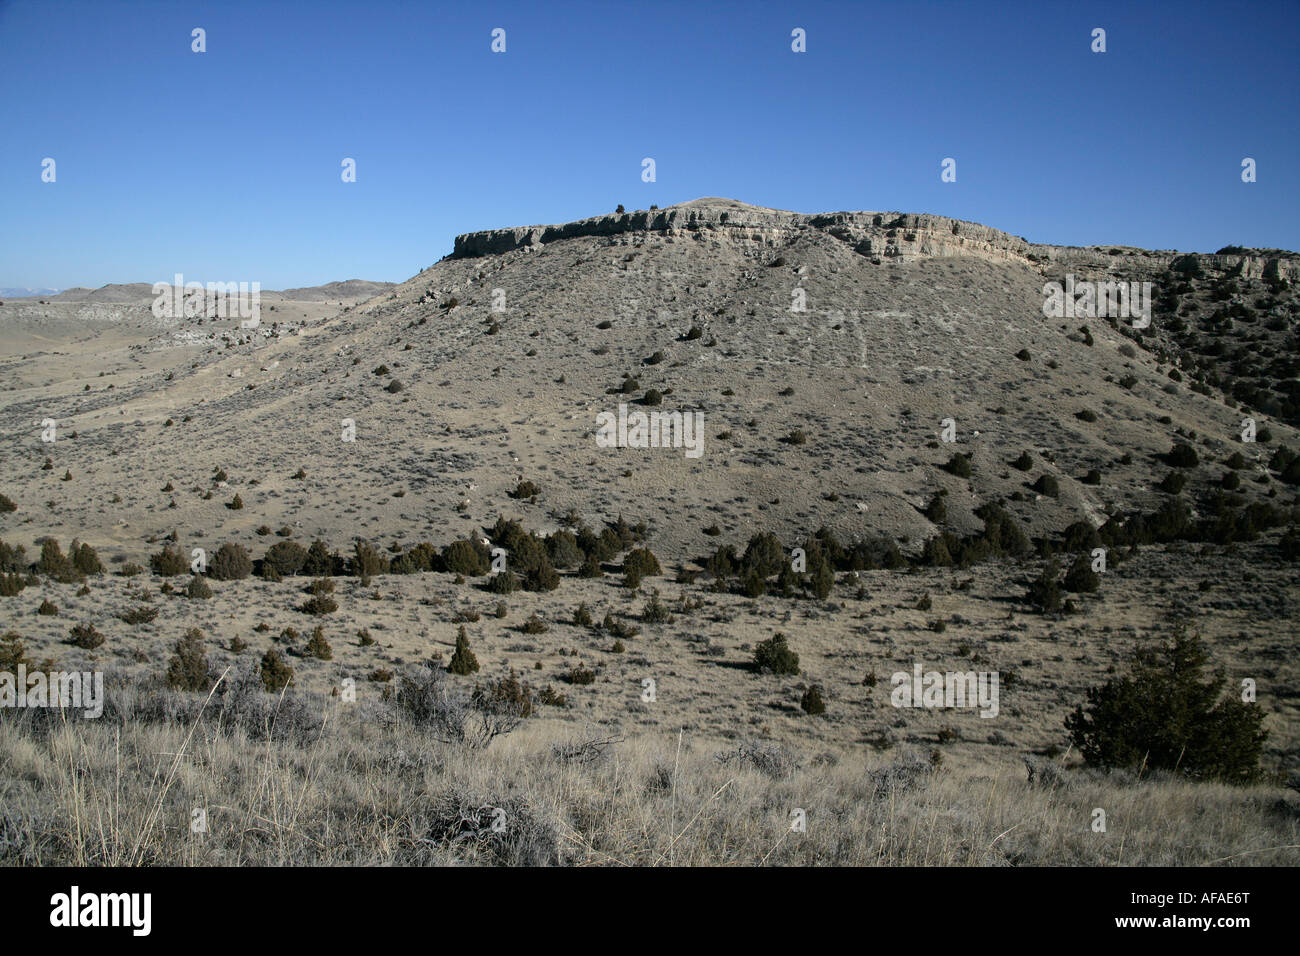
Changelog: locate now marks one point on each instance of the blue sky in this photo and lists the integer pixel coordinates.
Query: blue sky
(225, 165)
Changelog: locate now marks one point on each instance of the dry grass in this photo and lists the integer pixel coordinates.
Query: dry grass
(357, 784)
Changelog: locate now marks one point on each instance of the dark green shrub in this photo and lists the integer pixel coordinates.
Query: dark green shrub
(169, 562)
(366, 561)
(1182, 455)
(463, 661)
(812, 701)
(1169, 712)
(286, 557)
(54, 562)
(275, 673)
(1172, 483)
(319, 604)
(563, 550)
(542, 577)
(525, 490)
(642, 560)
(1081, 578)
(13, 653)
(230, 563)
(85, 560)
(139, 615)
(958, 465)
(775, 655)
(188, 667)
(578, 675)
(86, 637)
(7, 505)
(319, 561)
(1045, 592)
(822, 581)
(764, 555)
(318, 647)
(1047, 485)
(471, 558)
(503, 582)
(655, 611)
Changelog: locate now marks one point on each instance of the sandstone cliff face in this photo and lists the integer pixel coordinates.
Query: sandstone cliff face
(880, 236)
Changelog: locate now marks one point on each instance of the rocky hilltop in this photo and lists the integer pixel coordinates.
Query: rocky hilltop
(879, 236)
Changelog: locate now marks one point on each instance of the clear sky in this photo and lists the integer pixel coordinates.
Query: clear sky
(225, 165)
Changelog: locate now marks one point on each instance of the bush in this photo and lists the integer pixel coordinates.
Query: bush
(471, 558)
(7, 505)
(230, 563)
(48, 609)
(139, 615)
(958, 465)
(1169, 713)
(503, 582)
(86, 637)
(285, 557)
(1093, 477)
(643, 561)
(319, 604)
(525, 490)
(169, 562)
(776, 656)
(188, 667)
(579, 675)
(1024, 462)
(318, 647)
(1045, 592)
(85, 560)
(275, 673)
(1047, 485)
(812, 701)
(236, 503)
(1081, 578)
(198, 588)
(563, 550)
(463, 661)
(1182, 456)
(542, 577)
(366, 561)
(54, 562)
(655, 611)
(506, 696)
(1087, 415)
(582, 615)
(13, 653)
(1172, 483)
(319, 560)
